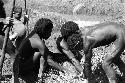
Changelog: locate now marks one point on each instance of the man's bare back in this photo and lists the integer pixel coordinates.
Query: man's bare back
(104, 34)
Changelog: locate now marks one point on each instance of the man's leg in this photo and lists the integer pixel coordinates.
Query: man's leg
(16, 69)
(41, 67)
(121, 65)
(87, 68)
(110, 72)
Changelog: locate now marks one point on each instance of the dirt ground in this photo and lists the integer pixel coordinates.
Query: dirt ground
(45, 8)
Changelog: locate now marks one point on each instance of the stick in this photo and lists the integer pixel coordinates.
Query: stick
(3, 49)
(6, 40)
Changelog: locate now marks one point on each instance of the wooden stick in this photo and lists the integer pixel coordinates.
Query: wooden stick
(5, 40)
(3, 49)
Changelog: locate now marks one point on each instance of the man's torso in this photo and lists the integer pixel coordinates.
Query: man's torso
(106, 33)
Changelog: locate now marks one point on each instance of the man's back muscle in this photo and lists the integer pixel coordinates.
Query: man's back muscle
(107, 33)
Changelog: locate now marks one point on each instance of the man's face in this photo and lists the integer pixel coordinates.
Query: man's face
(17, 15)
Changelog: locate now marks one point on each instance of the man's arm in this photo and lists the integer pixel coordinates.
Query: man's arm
(55, 64)
(37, 43)
(2, 19)
(41, 46)
(12, 37)
(75, 62)
(71, 56)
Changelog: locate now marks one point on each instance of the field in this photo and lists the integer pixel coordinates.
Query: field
(60, 11)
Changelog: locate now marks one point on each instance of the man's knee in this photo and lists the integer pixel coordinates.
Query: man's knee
(105, 64)
(36, 56)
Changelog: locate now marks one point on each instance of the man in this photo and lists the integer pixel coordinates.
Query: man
(104, 34)
(10, 49)
(75, 44)
(31, 49)
(67, 30)
(18, 30)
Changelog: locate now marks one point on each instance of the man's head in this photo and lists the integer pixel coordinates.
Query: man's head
(75, 42)
(43, 28)
(68, 29)
(17, 12)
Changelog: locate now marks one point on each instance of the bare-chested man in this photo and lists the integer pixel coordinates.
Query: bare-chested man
(104, 34)
(18, 30)
(67, 30)
(31, 49)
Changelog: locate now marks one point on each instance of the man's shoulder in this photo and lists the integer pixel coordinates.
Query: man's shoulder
(36, 42)
(64, 45)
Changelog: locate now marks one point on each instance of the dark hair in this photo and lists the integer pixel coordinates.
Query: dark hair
(43, 28)
(68, 29)
(17, 9)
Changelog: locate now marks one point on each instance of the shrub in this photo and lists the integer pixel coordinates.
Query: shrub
(102, 7)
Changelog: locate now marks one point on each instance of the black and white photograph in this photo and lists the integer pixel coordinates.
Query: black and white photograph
(62, 41)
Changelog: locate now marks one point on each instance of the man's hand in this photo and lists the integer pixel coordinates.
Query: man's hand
(13, 37)
(26, 18)
(1, 19)
(8, 20)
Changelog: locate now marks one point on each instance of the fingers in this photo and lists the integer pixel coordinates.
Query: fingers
(8, 20)
(27, 16)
